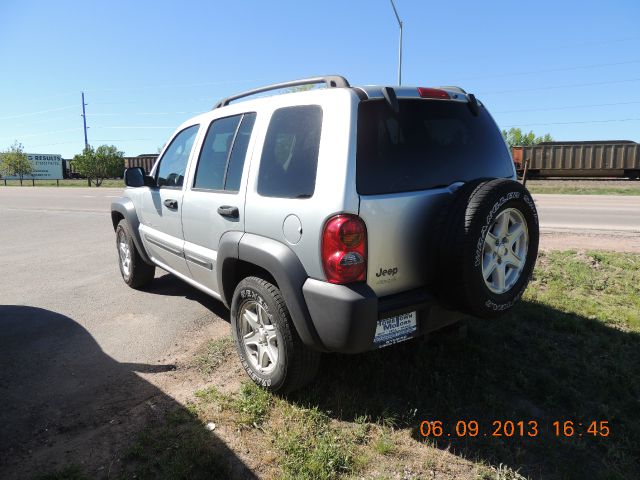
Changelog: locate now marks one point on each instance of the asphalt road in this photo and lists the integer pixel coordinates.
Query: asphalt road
(594, 213)
(58, 253)
(74, 338)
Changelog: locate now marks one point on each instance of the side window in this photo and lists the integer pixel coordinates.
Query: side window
(290, 154)
(173, 163)
(223, 152)
(239, 153)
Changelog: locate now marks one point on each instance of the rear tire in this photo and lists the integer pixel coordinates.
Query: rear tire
(269, 347)
(134, 270)
(489, 247)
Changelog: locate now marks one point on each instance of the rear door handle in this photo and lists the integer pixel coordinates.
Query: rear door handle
(172, 204)
(228, 211)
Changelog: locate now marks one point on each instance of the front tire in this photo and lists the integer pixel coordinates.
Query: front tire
(134, 270)
(269, 347)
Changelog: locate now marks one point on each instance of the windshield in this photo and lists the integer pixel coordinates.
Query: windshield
(428, 144)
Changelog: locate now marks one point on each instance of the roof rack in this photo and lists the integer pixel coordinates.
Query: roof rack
(331, 81)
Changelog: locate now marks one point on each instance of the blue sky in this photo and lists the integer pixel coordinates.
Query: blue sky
(571, 68)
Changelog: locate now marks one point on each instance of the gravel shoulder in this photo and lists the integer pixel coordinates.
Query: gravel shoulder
(588, 240)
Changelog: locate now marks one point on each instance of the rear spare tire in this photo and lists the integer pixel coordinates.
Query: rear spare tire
(489, 247)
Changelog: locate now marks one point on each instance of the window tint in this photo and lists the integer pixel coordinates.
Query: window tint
(290, 154)
(427, 145)
(174, 161)
(239, 153)
(223, 153)
(215, 152)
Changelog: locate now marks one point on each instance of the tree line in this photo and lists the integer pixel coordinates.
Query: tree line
(95, 165)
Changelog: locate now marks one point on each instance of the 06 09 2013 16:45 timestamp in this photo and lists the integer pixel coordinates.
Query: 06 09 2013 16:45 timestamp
(514, 428)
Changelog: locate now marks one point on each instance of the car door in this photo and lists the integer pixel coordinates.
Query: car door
(214, 201)
(161, 226)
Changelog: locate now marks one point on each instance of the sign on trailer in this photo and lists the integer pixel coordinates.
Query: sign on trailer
(45, 167)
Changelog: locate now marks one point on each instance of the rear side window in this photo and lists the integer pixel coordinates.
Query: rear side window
(174, 161)
(223, 153)
(290, 153)
(429, 144)
(239, 152)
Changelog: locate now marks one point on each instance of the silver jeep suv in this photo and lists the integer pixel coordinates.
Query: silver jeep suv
(337, 219)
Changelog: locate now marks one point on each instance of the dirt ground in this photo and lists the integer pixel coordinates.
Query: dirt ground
(582, 182)
(588, 240)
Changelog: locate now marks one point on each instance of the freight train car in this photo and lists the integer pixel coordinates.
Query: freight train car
(614, 158)
(146, 162)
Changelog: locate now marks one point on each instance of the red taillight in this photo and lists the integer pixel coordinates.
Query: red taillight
(344, 249)
(426, 92)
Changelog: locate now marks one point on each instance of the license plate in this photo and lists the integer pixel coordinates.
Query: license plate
(395, 329)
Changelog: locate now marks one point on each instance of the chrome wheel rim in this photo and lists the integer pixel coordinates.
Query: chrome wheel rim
(259, 337)
(125, 254)
(505, 251)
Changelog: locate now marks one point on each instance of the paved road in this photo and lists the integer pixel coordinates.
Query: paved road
(594, 213)
(58, 253)
(73, 336)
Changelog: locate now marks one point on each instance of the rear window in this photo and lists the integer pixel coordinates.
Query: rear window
(429, 144)
(290, 154)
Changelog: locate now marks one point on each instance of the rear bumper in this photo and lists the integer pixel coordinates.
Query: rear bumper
(345, 317)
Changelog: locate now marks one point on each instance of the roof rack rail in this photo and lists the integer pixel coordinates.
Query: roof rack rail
(331, 81)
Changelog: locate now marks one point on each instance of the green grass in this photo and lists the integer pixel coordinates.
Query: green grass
(71, 472)
(384, 444)
(213, 354)
(311, 448)
(633, 188)
(178, 448)
(250, 406)
(68, 182)
(569, 351)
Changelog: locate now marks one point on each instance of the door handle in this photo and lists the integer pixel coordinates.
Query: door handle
(228, 211)
(172, 204)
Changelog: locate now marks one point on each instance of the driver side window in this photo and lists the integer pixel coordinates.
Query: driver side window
(173, 163)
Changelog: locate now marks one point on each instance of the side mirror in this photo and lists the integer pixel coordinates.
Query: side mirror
(135, 177)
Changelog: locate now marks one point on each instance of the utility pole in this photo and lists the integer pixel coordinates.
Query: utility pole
(395, 10)
(84, 119)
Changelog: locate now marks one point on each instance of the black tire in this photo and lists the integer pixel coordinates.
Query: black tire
(296, 365)
(139, 273)
(462, 251)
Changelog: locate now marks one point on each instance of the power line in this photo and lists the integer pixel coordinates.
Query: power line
(576, 122)
(21, 115)
(136, 127)
(566, 107)
(142, 114)
(179, 85)
(563, 69)
(562, 86)
(44, 134)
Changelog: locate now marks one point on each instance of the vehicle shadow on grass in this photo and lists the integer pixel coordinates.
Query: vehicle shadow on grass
(68, 407)
(536, 363)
